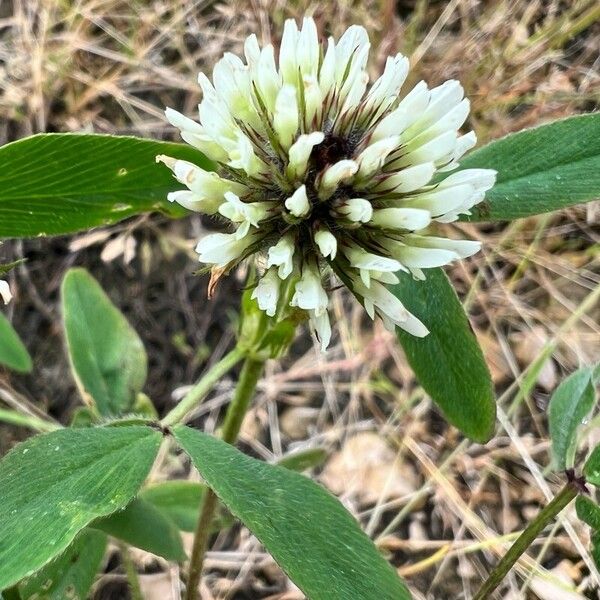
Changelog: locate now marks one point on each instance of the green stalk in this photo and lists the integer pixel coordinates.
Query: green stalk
(532, 531)
(202, 387)
(244, 392)
(32, 422)
(132, 576)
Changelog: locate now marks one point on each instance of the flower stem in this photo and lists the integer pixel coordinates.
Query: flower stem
(244, 392)
(531, 532)
(202, 387)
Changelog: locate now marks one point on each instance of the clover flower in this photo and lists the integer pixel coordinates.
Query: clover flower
(5, 291)
(318, 172)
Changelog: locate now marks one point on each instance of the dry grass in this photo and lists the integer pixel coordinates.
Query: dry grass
(442, 509)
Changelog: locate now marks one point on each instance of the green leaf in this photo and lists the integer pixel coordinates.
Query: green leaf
(303, 460)
(13, 353)
(180, 501)
(308, 532)
(541, 169)
(591, 469)
(106, 354)
(588, 511)
(448, 362)
(83, 417)
(53, 485)
(570, 403)
(144, 526)
(70, 575)
(60, 183)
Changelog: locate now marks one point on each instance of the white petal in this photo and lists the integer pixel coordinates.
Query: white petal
(285, 120)
(206, 186)
(300, 151)
(252, 50)
(352, 44)
(463, 144)
(267, 292)
(414, 326)
(221, 248)
(281, 255)
(242, 156)
(5, 291)
(217, 122)
(440, 201)
(288, 64)
(195, 202)
(406, 113)
(182, 122)
(380, 298)
(334, 175)
(393, 312)
(436, 150)
(298, 203)
(307, 49)
(451, 121)
(423, 258)
(443, 99)
(388, 85)
(232, 82)
(354, 89)
(267, 78)
(208, 90)
(417, 274)
(204, 183)
(326, 242)
(321, 327)
(464, 248)
(313, 99)
(373, 156)
(358, 210)
(408, 180)
(327, 72)
(411, 219)
(206, 145)
(361, 259)
(238, 212)
(462, 209)
(309, 293)
(385, 276)
(480, 179)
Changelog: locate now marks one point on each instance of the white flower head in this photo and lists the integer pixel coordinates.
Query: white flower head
(318, 171)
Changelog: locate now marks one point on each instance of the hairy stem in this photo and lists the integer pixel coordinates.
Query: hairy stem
(202, 387)
(244, 392)
(546, 516)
